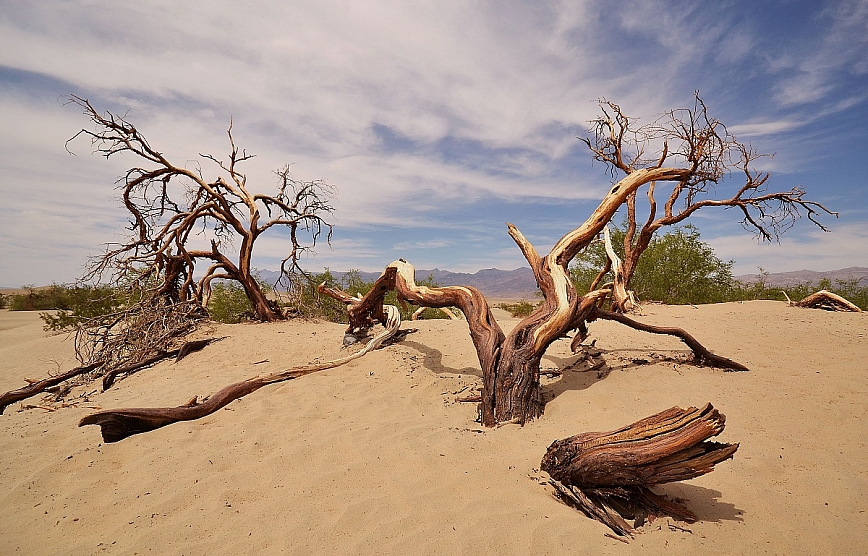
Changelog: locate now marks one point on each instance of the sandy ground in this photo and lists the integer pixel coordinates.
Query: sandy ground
(377, 457)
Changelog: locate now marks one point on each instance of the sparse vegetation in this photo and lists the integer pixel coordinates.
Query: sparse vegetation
(520, 309)
(677, 268)
(848, 289)
(229, 302)
(71, 304)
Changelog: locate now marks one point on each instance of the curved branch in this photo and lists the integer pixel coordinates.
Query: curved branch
(40, 386)
(117, 424)
(701, 354)
(569, 245)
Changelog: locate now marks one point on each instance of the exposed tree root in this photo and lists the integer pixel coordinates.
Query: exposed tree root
(701, 354)
(117, 424)
(608, 475)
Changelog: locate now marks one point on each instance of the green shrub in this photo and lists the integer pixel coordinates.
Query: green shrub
(520, 309)
(677, 268)
(71, 304)
(680, 268)
(229, 303)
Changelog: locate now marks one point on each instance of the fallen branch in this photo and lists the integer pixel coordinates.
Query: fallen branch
(701, 354)
(42, 385)
(827, 300)
(117, 424)
(608, 475)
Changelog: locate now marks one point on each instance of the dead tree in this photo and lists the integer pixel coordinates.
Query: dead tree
(511, 364)
(608, 475)
(699, 152)
(702, 144)
(169, 205)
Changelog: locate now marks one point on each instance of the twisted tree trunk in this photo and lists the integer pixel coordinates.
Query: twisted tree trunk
(510, 364)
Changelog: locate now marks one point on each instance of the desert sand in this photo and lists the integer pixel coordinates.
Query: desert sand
(378, 457)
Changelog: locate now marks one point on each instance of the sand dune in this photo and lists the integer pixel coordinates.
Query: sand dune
(377, 457)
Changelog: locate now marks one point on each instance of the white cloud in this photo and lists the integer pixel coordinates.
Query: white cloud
(801, 249)
(760, 129)
(488, 97)
(843, 48)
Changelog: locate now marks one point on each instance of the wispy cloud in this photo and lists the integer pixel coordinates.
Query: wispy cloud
(437, 122)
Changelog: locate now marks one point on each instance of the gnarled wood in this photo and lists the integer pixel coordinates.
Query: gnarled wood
(510, 364)
(117, 424)
(168, 202)
(607, 475)
(827, 300)
(706, 146)
(623, 300)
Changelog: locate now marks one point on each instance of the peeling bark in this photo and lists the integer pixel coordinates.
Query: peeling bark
(608, 475)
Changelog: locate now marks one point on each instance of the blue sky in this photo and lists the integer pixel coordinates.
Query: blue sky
(436, 121)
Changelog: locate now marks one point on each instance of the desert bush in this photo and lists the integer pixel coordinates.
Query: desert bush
(305, 301)
(229, 302)
(70, 304)
(677, 268)
(520, 309)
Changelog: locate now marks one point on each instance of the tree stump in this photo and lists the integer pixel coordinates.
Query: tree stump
(607, 475)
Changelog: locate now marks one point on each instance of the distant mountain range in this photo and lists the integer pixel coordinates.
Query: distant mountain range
(802, 276)
(521, 284)
(492, 282)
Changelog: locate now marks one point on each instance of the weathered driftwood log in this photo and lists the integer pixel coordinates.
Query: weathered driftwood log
(117, 424)
(39, 386)
(607, 475)
(827, 300)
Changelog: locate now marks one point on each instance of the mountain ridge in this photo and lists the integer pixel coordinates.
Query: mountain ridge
(520, 283)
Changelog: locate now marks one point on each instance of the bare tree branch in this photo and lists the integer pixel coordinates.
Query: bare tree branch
(707, 153)
(171, 207)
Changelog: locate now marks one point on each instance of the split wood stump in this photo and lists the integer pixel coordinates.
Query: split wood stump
(608, 475)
